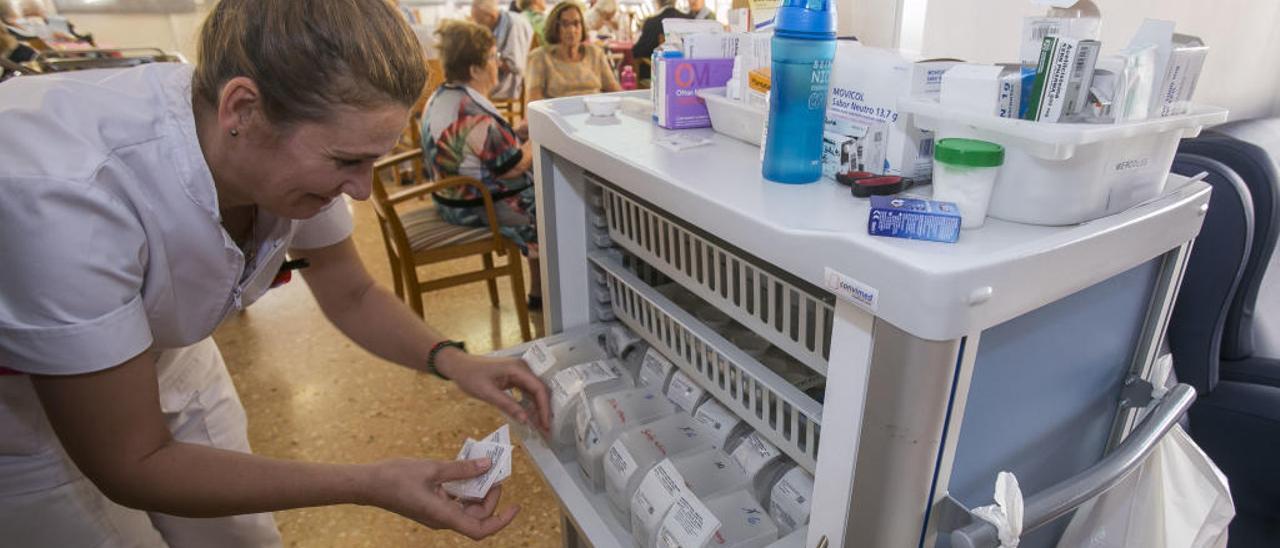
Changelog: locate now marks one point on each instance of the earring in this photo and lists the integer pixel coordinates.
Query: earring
(235, 132)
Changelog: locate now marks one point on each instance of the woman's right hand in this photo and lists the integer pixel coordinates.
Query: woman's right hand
(412, 488)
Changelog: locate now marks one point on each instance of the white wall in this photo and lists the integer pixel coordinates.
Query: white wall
(173, 32)
(1239, 73)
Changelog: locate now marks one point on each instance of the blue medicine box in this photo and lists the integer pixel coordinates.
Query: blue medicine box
(914, 218)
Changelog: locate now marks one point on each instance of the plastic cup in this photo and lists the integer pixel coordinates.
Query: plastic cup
(964, 173)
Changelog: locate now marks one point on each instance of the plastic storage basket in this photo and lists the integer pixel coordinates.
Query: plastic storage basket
(736, 119)
(1062, 174)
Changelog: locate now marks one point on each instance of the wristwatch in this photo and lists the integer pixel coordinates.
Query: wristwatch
(435, 351)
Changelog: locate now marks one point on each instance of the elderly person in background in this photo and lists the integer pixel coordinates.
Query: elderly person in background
(567, 64)
(513, 35)
(535, 12)
(651, 32)
(463, 134)
(698, 10)
(605, 19)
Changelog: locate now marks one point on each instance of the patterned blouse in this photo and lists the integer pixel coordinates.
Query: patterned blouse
(462, 134)
(559, 78)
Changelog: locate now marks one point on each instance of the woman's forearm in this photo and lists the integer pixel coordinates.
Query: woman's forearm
(214, 482)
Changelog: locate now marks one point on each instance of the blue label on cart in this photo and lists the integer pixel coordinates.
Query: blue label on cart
(852, 290)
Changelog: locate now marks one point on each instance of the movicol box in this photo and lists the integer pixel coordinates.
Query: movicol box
(678, 105)
(863, 129)
(914, 218)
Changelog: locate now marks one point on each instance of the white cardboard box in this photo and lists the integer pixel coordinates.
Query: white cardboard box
(864, 131)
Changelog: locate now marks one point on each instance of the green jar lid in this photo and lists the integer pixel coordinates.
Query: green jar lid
(968, 152)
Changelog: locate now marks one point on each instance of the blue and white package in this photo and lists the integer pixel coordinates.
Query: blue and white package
(914, 218)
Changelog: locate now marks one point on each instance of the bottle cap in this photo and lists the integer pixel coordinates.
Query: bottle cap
(806, 19)
(968, 152)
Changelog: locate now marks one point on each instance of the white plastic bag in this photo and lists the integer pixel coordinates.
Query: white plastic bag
(1006, 513)
(1177, 499)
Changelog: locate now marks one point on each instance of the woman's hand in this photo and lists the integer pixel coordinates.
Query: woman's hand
(412, 488)
(488, 379)
(522, 131)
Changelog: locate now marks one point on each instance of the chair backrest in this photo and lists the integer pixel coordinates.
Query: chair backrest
(1212, 274)
(385, 175)
(1251, 148)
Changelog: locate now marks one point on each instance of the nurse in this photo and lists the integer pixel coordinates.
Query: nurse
(140, 207)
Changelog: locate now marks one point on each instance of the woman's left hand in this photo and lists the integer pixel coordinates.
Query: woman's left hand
(522, 130)
(488, 379)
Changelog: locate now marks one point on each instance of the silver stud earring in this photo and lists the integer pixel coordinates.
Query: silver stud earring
(235, 132)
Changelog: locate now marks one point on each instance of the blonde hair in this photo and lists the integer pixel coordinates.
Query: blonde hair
(307, 56)
(463, 45)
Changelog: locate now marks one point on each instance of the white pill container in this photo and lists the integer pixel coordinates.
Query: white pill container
(640, 448)
(585, 380)
(790, 500)
(964, 173)
(742, 523)
(763, 461)
(655, 371)
(605, 417)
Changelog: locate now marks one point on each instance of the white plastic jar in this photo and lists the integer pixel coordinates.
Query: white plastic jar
(964, 173)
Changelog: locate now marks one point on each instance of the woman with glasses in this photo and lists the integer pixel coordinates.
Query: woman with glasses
(463, 134)
(567, 65)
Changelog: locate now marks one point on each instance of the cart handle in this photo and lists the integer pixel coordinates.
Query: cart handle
(1067, 495)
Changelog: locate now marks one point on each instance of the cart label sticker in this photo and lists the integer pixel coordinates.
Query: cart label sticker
(684, 392)
(790, 499)
(689, 523)
(754, 453)
(619, 467)
(539, 358)
(657, 492)
(654, 369)
(854, 291)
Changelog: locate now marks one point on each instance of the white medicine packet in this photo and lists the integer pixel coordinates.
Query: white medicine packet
(790, 500)
(497, 448)
(754, 453)
(654, 369)
(539, 358)
(684, 392)
(689, 524)
(657, 492)
(717, 419)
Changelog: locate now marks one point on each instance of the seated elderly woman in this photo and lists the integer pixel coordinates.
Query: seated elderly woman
(463, 134)
(567, 65)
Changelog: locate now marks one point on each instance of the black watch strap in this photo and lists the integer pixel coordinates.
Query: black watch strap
(435, 351)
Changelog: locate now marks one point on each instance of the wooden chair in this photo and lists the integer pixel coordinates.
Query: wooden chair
(511, 109)
(419, 236)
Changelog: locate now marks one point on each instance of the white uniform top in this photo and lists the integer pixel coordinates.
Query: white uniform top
(110, 236)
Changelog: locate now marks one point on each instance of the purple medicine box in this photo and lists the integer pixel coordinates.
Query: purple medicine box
(679, 107)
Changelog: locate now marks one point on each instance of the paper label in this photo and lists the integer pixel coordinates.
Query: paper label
(654, 369)
(689, 524)
(657, 491)
(789, 501)
(854, 291)
(619, 466)
(539, 358)
(717, 419)
(502, 436)
(684, 392)
(754, 453)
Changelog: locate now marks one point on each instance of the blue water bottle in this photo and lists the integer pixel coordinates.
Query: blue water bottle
(804, 42)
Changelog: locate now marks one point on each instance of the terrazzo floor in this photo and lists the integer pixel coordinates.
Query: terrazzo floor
(311, 394)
